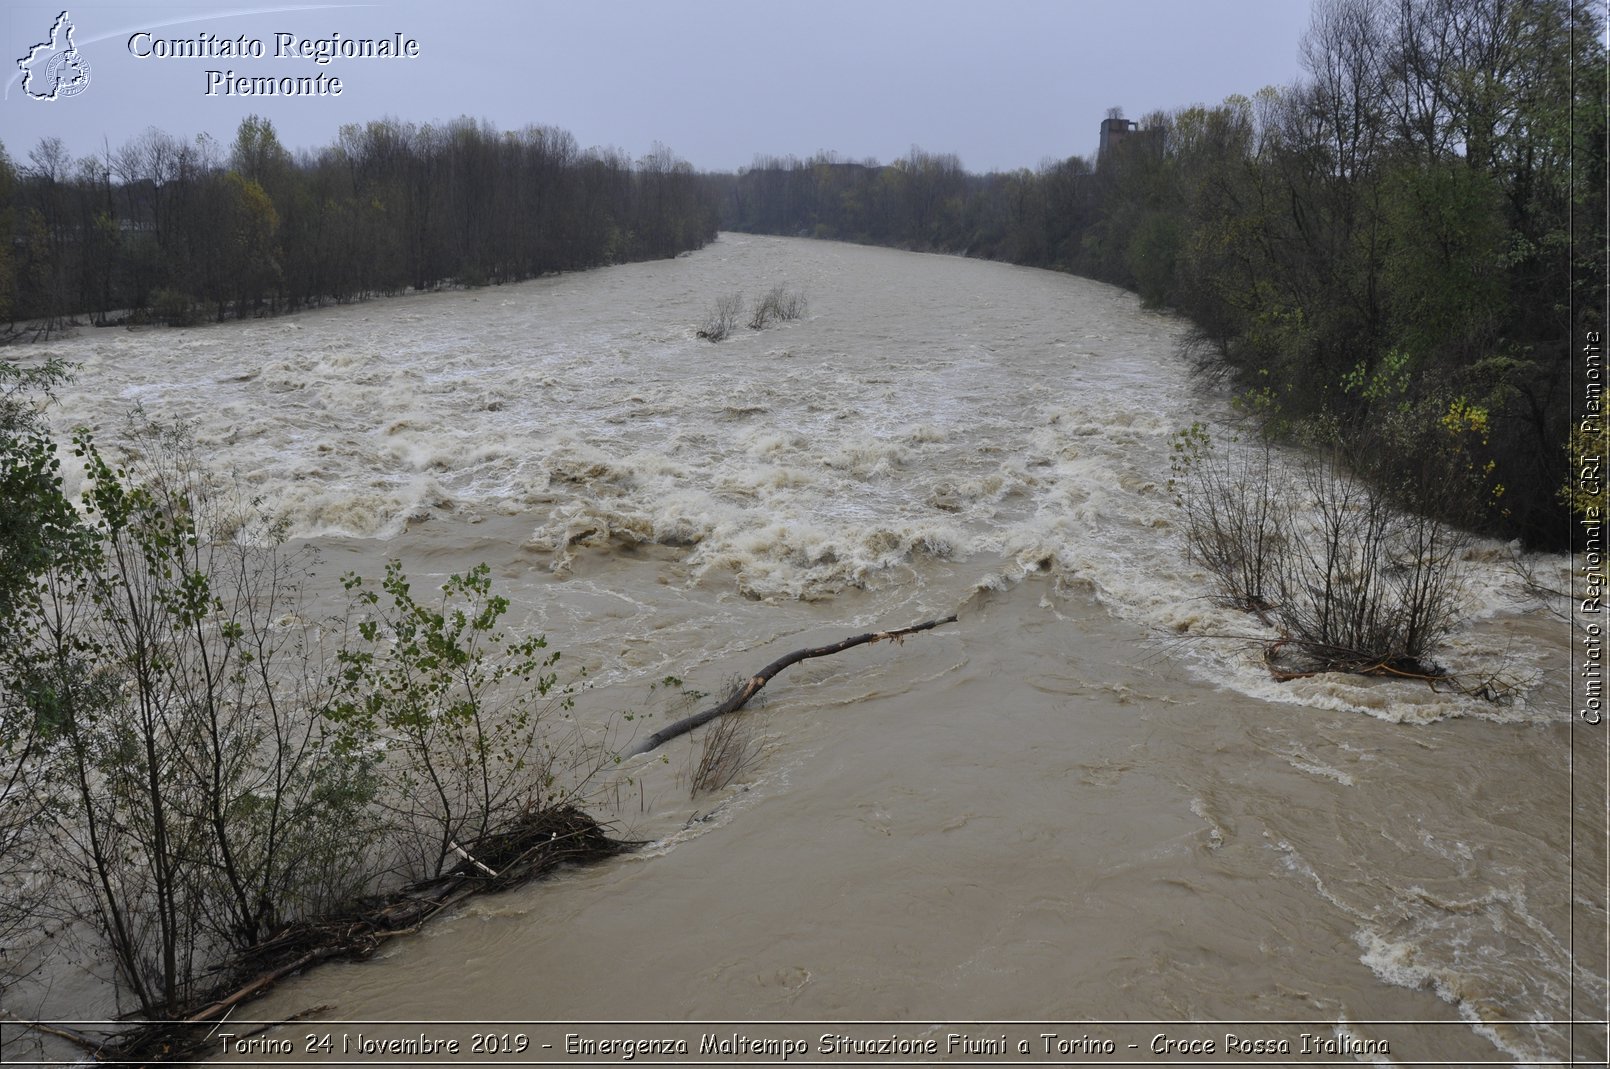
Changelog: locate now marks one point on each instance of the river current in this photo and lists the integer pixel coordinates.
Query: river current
(1079, 803)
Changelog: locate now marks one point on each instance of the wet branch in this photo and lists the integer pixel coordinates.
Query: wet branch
(752, 685)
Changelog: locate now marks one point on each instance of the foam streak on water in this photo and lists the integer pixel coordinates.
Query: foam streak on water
(1065, 806)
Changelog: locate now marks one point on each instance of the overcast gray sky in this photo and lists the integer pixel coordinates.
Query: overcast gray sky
(1003, 84)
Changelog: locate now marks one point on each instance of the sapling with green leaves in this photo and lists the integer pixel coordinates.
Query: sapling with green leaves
(459, 711)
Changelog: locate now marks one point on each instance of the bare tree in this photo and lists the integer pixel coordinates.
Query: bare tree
(722, 317)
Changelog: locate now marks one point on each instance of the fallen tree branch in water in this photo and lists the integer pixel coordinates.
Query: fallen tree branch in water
(262, 983)
(1287, 659)
(528, 847)
(91, 1045)
(751, 686)
(467, 856)
(1497, 687)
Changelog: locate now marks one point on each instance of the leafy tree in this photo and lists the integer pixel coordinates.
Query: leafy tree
(458, 711)
(38, 532)
(193, 799)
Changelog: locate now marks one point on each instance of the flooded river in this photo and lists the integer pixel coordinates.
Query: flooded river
(1078, 803)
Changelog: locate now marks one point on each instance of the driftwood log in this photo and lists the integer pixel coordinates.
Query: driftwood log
(527, 847)
(530, 847)
(752, 685)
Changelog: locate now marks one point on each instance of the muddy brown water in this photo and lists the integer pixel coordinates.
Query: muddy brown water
(1075, 804)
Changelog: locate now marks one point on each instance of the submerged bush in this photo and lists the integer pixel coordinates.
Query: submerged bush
(728, 748)
(778, 304)
(1351, 580)
(720, 321)
(1231, 514)
(1360, 584)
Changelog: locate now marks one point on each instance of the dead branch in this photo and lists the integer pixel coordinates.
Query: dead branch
(465, 854)
(91, 1045)
(1497, 688)
(727, 748)
(752, 685)
(530, 846)
(263, 982)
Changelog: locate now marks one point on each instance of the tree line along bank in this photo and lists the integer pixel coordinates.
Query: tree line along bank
(1397, 252)
(175, 231)
(1400, 252)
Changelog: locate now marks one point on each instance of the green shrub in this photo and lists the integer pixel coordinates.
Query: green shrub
(190, 763)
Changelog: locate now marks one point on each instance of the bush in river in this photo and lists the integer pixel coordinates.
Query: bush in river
(1323, 550)
(722, 317)
(779, 303)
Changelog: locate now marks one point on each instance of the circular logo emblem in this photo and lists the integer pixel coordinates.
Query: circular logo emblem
(66, 74)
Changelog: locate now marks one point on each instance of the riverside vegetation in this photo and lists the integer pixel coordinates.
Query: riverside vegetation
(1412, 235)
(212, 789)
(179, 232)
(1383, 259)
(199, 781)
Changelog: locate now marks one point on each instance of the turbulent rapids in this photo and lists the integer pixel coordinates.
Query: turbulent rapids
(1082, 802)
